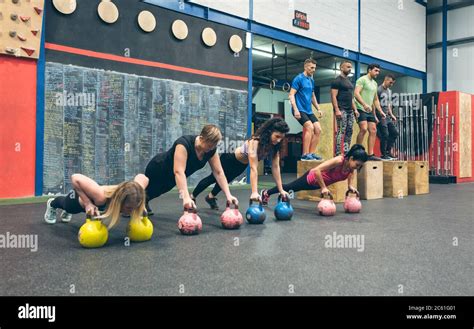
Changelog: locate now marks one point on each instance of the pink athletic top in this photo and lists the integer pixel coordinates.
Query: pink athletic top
(331, 176)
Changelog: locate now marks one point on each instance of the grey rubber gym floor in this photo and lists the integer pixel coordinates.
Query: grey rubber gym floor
(409, 249)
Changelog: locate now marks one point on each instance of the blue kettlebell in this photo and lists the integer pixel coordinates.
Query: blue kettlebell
(283, 209)
(255, 213)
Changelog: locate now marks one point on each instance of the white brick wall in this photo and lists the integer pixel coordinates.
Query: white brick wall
(394, 30)
(331, 21)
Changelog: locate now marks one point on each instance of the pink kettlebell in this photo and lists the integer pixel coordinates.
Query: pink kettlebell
(231, 219)
(352, 203)
(326, 206)
(190, 223)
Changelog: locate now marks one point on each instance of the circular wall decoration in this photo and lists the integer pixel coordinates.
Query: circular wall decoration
(235, 43)
(209, 37)
(179, 29)
(65, 7)
(108, 12)
(146, 21)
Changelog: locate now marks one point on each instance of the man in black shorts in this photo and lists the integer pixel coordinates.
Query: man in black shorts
(301, 98)
(366, 101)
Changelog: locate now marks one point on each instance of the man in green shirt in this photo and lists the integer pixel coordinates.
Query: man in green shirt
(367, 102)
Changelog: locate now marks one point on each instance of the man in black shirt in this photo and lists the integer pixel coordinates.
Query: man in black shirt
(386, 128)
(342, 98)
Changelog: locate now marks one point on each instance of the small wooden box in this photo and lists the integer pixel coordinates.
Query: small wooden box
(395, 179)
(338, 189)
(418, 177)
(370, 180)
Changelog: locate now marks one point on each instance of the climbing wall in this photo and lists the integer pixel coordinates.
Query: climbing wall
(20, 27)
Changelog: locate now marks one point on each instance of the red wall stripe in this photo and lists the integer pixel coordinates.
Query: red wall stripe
(136, 61)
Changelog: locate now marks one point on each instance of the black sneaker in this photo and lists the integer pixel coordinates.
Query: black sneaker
(148, 209)
(373, 158)
(265, 197)
(386, 158)
(212, 202)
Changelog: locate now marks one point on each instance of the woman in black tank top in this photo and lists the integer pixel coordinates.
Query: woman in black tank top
(188, 154)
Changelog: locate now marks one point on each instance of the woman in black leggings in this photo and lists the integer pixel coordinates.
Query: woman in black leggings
(265, 141)
(127, 198)
(334, 170)
(188, 154)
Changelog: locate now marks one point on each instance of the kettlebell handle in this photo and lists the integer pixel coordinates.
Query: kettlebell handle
(252, 201)
(190, 210)
(228, 204)
(356, 193)
(283, 198)
(327, 196)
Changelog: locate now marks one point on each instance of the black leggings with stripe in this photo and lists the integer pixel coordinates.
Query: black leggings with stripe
(232, 168)
(300, 184)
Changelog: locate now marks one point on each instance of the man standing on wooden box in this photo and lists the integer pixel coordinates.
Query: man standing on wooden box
(367, 102)
(386, 129)
(342, 98)
(301, 98)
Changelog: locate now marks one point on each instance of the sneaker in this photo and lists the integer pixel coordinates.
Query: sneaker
(391, 156)
(212, 202)
(265, 197)
(315, 156)
(65, 216)
(386, 158)
(307, 157)
(373, 158)
(148, 209)
(50, 214)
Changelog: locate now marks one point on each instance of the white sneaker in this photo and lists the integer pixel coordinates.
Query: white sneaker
(50, 214)
(65, 216)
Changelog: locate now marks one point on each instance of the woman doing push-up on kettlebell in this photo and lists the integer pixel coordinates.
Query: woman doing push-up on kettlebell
(265, 142)
(329, 172)
(188, 154)
(127, 198)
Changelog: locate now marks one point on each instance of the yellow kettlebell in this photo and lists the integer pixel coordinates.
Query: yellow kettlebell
(93, 234)
(140, 229)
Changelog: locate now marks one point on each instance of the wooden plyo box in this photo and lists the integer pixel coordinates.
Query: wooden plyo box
(370, 180)
(418, 177)
(338, 189)
(395, 179)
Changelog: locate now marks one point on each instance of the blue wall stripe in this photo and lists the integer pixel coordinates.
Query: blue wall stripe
(40, 68)
(444, 56)
(250, 83)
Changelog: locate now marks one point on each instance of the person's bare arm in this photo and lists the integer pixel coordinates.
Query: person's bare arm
(253, 162)
(277, 173)
(354, 108)
(314, 101)
(142, 180)
(179, 168)
(335, 105)
(291, 96)
(377, 106)
(390, 112)
(89, 192)
(326, 165)
(218, 172)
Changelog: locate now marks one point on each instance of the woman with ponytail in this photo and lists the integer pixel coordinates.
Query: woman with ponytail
(127, 198)
(266, 141)
(329, 172)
